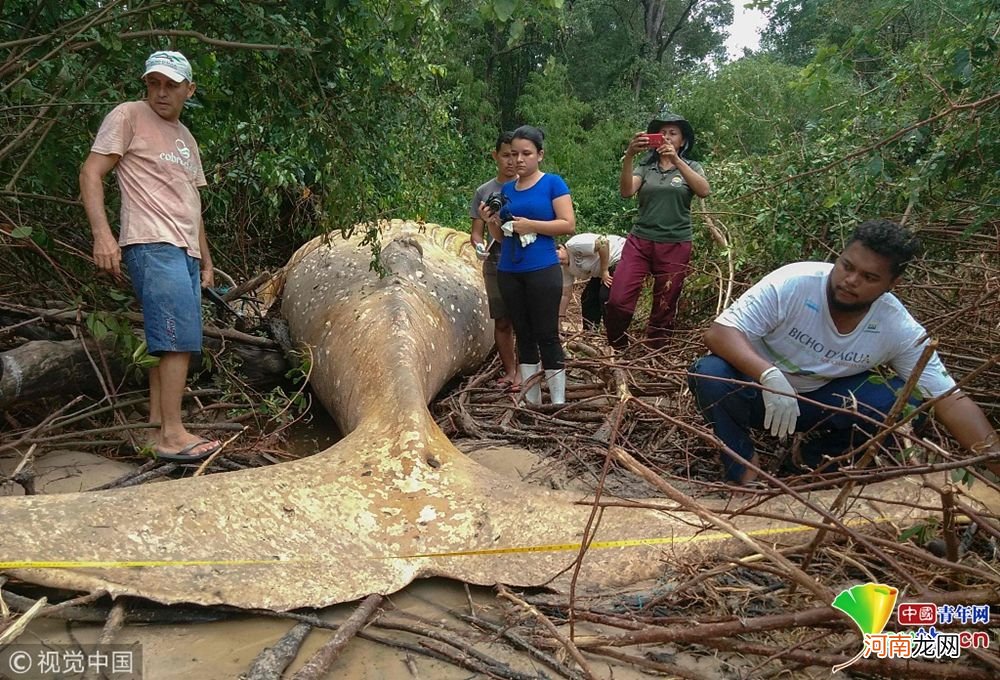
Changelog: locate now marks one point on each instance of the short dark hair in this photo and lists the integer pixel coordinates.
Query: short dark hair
(531, 133)
(503, 138)
(890, 240)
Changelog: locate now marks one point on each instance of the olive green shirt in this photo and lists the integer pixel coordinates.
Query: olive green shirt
(664, 203)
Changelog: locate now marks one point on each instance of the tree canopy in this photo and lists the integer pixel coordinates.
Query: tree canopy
(317, 116)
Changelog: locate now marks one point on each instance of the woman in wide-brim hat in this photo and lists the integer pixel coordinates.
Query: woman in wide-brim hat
(660, 241)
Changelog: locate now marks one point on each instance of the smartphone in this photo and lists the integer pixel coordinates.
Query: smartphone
(655, 139)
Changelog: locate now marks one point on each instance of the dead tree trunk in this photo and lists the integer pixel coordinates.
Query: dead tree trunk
(43, 368)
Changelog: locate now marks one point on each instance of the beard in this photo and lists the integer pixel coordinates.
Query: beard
(846, 307)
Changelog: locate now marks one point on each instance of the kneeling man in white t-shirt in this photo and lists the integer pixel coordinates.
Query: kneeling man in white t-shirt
(823, 331)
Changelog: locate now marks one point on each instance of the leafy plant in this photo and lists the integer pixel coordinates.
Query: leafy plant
(921, 532)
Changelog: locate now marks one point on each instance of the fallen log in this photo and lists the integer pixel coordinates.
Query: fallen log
(41, 369)
(45, 368)
(271, 663)
(320, 662)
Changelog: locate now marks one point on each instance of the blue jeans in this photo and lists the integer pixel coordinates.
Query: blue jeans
(167, 282)
(733, 410)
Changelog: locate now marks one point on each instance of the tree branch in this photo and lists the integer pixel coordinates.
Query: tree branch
(662, 45)
(201, 37)
(97, 17)
(984, 102)
(40, 197)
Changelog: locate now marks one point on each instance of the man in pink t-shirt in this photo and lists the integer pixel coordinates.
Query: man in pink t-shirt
(161, 236)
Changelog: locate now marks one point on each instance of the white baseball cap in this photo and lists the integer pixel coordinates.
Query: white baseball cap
(173, 65)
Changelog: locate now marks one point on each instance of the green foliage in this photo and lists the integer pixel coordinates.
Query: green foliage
(963, 476)
(798, 156)
(625, 45)
(920, 533)
(757, 106)
(301, 367)
(142, 359)
(313, 117)
(318, 133)
(102, 324)
(281, 408)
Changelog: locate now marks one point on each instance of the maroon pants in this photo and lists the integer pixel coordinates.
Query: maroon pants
(668, 263)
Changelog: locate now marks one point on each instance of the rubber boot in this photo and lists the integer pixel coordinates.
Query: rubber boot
(532, 394)
(556, 381)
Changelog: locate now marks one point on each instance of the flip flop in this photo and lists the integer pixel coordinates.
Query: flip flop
(186, 455)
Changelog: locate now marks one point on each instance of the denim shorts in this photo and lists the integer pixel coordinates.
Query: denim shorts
(167, 282)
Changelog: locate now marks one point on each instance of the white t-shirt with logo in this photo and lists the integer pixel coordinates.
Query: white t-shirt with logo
(159, 174)
(584, 263)
(787, 319)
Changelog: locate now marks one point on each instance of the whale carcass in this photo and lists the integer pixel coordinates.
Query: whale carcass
(392, 501)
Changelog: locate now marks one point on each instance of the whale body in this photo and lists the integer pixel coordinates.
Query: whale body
(393, 500)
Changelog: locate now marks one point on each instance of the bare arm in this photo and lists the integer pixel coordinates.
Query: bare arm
(107, 253)
(967, 423)
(732, 345)
(629, 184)
(603, 251)
(207, 270)
(478, 231)
(567, 293)
(699, 185)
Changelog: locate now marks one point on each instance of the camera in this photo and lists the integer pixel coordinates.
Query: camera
(497, 202)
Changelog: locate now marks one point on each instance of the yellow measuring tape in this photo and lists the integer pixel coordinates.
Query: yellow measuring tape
(554, 547)
(629, 542)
